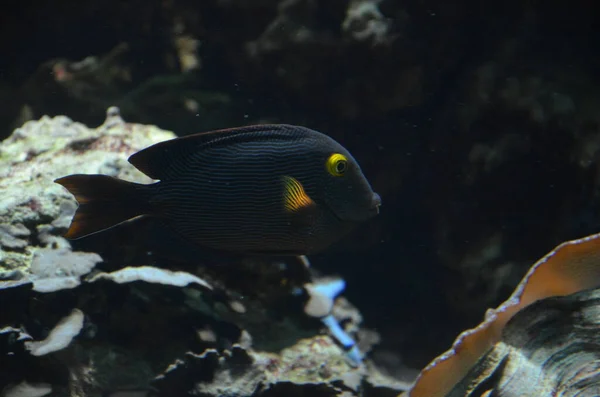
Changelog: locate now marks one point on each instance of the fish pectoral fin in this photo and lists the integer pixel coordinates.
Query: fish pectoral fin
(295, 198)
(297, 203)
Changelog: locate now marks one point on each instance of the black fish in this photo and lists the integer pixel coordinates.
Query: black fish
(264, 189)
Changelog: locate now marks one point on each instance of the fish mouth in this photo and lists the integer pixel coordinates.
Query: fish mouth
(375, 204)
(371, 211)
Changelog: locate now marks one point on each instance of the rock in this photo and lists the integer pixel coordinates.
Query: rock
(34, 210)
(308, 368)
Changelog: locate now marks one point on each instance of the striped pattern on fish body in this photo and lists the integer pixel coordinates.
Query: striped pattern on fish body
(257, 189)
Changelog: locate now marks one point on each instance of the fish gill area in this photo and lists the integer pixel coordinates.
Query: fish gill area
(477, 123)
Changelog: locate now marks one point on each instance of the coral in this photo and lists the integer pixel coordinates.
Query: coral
(151, 275)
(54, 269)
(60, 337)
(365, 22)
(25, 389)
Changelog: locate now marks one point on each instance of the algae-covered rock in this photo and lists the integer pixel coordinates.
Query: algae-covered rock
(34, 210)
(311, 367)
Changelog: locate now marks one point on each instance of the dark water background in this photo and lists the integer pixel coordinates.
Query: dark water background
(477, 122)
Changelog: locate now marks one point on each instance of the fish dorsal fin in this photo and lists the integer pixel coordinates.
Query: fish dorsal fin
(159, 160)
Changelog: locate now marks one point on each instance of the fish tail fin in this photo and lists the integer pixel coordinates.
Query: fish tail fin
(104, 202)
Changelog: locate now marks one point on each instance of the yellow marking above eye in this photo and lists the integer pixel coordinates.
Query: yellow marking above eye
(337, 164)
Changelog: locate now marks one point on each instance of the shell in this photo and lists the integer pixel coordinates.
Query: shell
(541, 342)
(550, 348)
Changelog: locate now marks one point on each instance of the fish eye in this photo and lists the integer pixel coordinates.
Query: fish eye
(337, 164)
